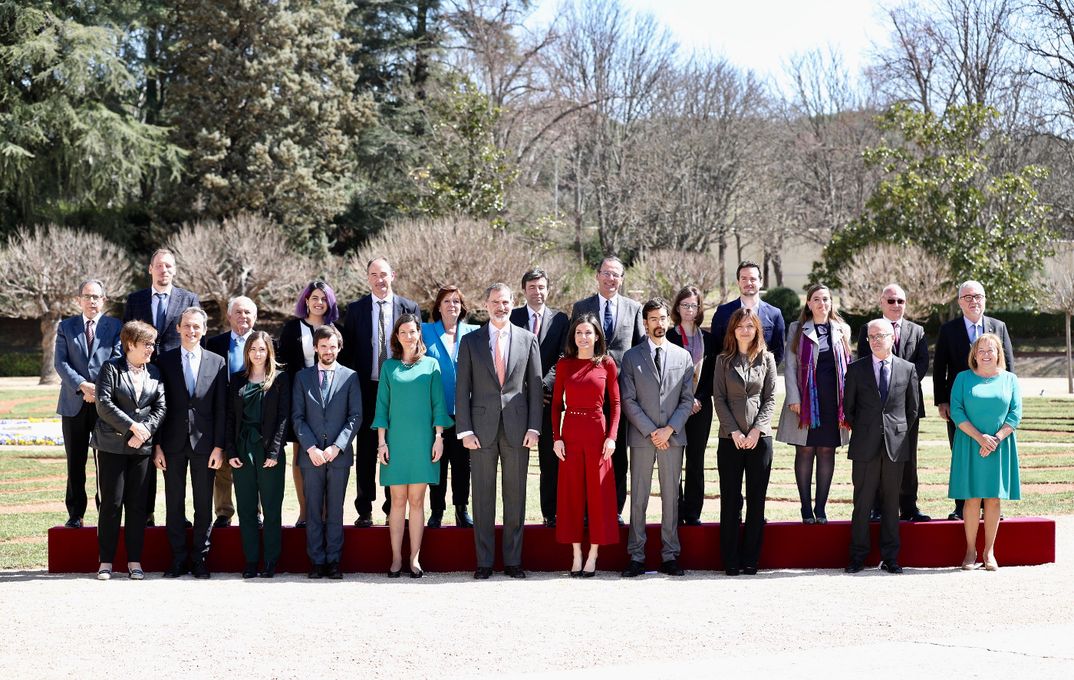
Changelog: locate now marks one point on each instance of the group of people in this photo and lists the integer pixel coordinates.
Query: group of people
(417, 400)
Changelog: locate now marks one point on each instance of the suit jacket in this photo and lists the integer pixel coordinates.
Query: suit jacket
(140, 308)
(651, 401)
(745, 399)
(880, 427)
(703, 391)
(481, 404)
(76, 364)
(771, 321)
(913, 346)
(275, 414)
(289, 346)
(629, 325)
(333, 421)
(199, 420)
(435, 348)
(118, 408)
(953, 353)
(551, 338)
(357, 352)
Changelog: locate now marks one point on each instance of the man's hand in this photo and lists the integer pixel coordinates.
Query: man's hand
(316, 456)
(530, 440)
(470, 442)
(158, 458)
(945, 411)
(696, 407)
(89, 392)
(661, 436)
(235, 462)
(216, 458)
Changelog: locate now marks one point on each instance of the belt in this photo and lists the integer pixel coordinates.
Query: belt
(584, 412)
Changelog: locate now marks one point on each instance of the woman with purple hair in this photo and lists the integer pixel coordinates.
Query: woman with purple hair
(316, 306)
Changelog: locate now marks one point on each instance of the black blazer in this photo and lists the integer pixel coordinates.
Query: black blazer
(880, 427)
(357, 352)
(289, 345)
(117, 409)
(913, 346)
(275, 414)
(551, 339)
(139, 307)
(197, 420)
(219, 344)
(703, 391)
(953, 353)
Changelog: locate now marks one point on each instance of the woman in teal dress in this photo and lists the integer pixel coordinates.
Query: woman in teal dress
(986, 406)
(410, 420)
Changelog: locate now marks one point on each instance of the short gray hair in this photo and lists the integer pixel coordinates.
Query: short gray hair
(87, 282)
(498, 286)
(237, 299)
(970, 282)
(194, 310)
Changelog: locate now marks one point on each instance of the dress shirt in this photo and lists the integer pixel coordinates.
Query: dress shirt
(530, 311)
(389, 304)
(309, 356)
(157, 301)
(876, 369)
(663, 349)
(506, 341)
(970, 325)
(605, 302)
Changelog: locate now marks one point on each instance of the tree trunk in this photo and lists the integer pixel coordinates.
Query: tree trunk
(49, 323)
(721, 267)
(1070, 364)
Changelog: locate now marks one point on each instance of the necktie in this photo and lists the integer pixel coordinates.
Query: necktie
(382, 350)
(162, 313)
(883, 381)
(234, 358)
(895, 331)
(608, 323)
(89, 337)
(658, 361)
(324, 386)
(536, 323)
(188, 372)
(975, 333)
(501, 365)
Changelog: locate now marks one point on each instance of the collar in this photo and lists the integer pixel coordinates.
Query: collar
(387, 298)
(322, 367)
(968, 323)
(613, 299)
(94, 319)
(493, 330)
(235, 336)
(653, 345)
(755, 306)
(894, 321)
(196, 352)
(877, 360)
(166, 291)
(530, 311)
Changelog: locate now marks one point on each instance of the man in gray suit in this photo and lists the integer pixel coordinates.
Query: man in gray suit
(656, 388)
(326, 409)
(880, 403)
(623, 328)
(83, 343)
(498, 404)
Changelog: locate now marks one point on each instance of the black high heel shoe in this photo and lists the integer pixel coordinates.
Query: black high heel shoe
(395, 574)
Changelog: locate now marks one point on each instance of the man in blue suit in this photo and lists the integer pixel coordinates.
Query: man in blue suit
(326, 410)
(83, 343)
(748, 275)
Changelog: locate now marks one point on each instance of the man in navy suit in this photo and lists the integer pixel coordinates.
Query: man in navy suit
(195, 390)
(241, 316)
(83, 343)
(159, 306)
(326, 408)
(953, 351)
(550, 327)
(366, 345)
(748, 275)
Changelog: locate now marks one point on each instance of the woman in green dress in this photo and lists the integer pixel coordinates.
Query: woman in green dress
(258, 410)
(986, 406)
(410, 420)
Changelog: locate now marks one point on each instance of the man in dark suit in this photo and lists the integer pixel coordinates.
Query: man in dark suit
(326, 408)
(748, 275)
(910, 344)
(880, 403)
(241, 316)
(953, 351)
(83, 343)
(159, 306)
(195, 390)
(623, 328)
(550, 327)
(366, 345)
(498, 404)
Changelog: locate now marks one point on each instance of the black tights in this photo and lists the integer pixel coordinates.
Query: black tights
(803, 471)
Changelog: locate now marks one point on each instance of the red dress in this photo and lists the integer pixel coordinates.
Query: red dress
(586, 480)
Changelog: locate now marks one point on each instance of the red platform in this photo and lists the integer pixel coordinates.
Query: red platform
(1022, 541)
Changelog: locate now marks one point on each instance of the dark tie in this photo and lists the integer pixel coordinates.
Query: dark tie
(658, 361)
(883, 381)
(162, 313)
(608, 325)
(89, 337)
(895, 331)
(324, 386)
(188, 373)
(382, 351)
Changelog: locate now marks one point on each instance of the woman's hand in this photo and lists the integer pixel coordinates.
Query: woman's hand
(696, 407)
(751, 439)
(609, 448)
(796, 409)
(559, 449)
(382, 454)
(270, 462)
(235, 462)
(438, 448)
(738, 439)
(140, 431)
(988, 443)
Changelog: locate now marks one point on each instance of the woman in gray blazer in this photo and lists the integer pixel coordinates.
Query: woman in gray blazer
(744, 398)
(130, 408)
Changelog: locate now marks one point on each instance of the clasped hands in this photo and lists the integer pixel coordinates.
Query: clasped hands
(746, 441)
(661, 436)
(988, 443)
(321, 456)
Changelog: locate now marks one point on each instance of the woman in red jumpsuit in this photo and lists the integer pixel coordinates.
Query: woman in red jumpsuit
(586, 379)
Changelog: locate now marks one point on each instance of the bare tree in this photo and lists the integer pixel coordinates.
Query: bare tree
(40, 270)
(925, 277)
(666, 272)
(1058, 287)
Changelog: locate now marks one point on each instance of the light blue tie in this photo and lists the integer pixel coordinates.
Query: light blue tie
(188, 373)
(234, 356)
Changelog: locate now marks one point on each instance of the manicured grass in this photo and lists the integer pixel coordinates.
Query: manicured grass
(39, 403)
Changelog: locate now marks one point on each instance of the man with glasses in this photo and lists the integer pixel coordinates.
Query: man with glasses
(909, 343)
(953, 350)
(748, 276)
(623, 328)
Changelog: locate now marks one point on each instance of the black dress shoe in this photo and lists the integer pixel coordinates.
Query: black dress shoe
(270, 570)
(916, 517)
(300, 524)
(200, 570)
(363, 521)
(250, 570)
(733, 571)
(549, 522)
(316, 571)
(671, 568)
(462, 517)
(187, 523)
(854, 567)
(619, 518)
(692, 522)
(221, 522)
(954, 517)
(891, 567)
(176, 570)
(149, 522)
(633, 569)
(482, 573)
(436, 519)
(260, 522)
(333, 571)
(874, 516)
(822, 519)
(73, 523)
(749, 571)
(514, 571)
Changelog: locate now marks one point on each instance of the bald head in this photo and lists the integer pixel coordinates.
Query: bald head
(893, 302)
(881, 338)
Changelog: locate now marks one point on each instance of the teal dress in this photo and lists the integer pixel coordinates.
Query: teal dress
(410, 403)
(988, 403)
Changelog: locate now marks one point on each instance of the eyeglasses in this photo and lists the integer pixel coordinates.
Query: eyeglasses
(92, 298)
(976, 297)
(687, 305)
(896, 301)
(879, 336)
(611, 275)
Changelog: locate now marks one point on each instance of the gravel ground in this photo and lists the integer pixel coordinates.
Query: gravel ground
(1017, 622)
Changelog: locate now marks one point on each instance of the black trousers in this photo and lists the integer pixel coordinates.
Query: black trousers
(877, 475)
(76, 432)
(365, 458)
(692, 491)
(201, 487)
(546, 458)
(457, 457)
(619, 461)
(908, 488)
(756, 465)
(121, 479)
